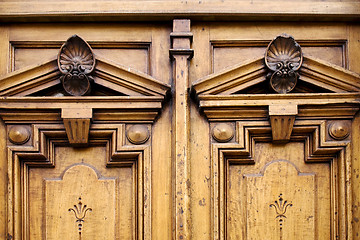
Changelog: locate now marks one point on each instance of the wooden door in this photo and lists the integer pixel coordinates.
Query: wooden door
(80, 159)
(276, 166)
(179, 130)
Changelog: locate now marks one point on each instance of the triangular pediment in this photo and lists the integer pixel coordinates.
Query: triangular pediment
(109, 79)
(315, 76)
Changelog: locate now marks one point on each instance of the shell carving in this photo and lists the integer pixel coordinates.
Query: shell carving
(76, 61)
(284, 57)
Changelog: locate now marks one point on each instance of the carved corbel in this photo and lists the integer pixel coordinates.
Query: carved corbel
(282, 118)
(77, 125)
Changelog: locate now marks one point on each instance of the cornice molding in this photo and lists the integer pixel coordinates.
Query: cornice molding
(157, 10)
(40, 92)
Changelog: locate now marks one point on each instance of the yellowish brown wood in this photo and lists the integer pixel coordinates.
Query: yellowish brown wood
(194, 9)
(5, 48)
(279, 172)
(219, 97)
(353, 48)
(200, 200)
(77, 130)
(354, 51)
(4, 189)
(355, 177)
(181, 53)
(117, 167)
(162, 197)
(182, 182)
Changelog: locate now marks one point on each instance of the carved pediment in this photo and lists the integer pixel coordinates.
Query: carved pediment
(315, 76)
(280, 87)
(107, 79)
(283, 69)
(79, 87)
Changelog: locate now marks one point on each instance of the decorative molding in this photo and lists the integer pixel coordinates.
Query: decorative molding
(139, 96)
(19, 134)
(107, 74)
(239, 77)
(165, 11)
(41, 153)
(80, 211)
(76, 61)
(283, 57)
(242, 152)
(232, 79)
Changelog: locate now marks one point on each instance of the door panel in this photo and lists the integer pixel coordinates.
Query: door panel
(63, 198)
(278, 196)
(102, 190)
(251, 176)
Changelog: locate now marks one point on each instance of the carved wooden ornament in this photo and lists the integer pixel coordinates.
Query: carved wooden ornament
(76, 61)
(18, 135)
(223, 132)
(339, 130)
(284, 57)
(138, 134)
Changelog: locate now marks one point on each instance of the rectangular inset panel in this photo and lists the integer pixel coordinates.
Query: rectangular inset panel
(90, 203)
(279, 197)
(280, 202)
(229, 53)
(80, 175)
(135, 55)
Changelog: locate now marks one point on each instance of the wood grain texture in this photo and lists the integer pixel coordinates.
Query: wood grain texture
(181, 53)
(195, 9)
(175, 180)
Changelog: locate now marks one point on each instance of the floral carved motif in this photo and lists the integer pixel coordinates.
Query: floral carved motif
(280, 208)
(76, 61)
(283, 57)
(80, 211)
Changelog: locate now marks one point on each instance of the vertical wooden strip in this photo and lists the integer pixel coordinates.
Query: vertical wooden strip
(356, 177)
(5, 50)
(161, 136)
(199, 139)
(354, 53)
(181, 53)
(3, 181)
(354, 48)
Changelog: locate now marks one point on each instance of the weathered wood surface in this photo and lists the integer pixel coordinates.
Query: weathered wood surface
(164, 147)
(167, 10)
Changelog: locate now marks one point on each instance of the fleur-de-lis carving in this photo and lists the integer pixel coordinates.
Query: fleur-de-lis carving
(80, 211)
(281, 206)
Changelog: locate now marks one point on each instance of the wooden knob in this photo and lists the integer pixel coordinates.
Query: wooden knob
(223, 132)
(19, 135)
(138, 134)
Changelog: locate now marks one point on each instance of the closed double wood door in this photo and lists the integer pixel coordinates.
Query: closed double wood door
(171, 131)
